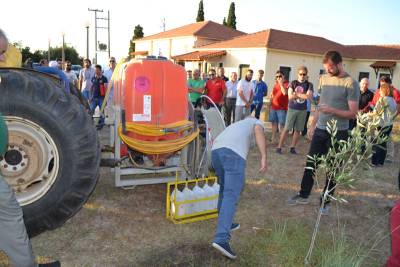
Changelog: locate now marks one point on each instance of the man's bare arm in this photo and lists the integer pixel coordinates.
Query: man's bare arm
(260, 140)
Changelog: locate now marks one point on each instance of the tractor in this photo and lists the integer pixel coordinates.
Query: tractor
(54, 152)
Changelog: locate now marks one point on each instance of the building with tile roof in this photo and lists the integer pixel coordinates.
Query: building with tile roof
(208, 45)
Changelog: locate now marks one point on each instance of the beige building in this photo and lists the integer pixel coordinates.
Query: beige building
(184, 39)
(269, 50)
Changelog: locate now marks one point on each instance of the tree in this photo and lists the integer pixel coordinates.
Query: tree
(224, 22)
(345, 157)
(56, 52)
(200, 12)
(70, 54)
(137, 33)
(231, 21)
(25, 52)
(102, 47)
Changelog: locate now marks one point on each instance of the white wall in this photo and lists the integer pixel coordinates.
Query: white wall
(255, 57)
(181, 46)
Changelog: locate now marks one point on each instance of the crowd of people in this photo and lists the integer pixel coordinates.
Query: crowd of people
(339, 98)
(289, 104)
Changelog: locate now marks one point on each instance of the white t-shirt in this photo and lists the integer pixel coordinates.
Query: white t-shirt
(238, 136)
(86, 75)
(245, 87)
(108, 73)
(71, 77)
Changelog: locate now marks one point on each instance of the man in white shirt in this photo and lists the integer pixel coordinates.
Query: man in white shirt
(230, 102)
(244, 97)
(70, 74)
(109, 72)
(85, 78)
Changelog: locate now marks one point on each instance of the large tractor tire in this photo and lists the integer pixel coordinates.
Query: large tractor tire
(53, 156)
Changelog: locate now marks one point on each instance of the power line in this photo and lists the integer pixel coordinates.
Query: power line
(96, 18)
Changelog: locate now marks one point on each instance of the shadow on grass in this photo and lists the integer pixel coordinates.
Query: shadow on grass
(279, 243)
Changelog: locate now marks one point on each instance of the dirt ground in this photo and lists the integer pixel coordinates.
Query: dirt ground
(120, 227)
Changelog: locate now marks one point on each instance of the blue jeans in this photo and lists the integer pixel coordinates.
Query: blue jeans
(277, 116)
(230, 169)
(257, 106)
(85, 94)
(97, 101)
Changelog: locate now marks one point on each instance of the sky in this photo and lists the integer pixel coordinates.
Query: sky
(34, 23)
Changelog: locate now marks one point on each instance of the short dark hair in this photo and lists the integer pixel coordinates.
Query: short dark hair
(250, 70)
(386, 79)
(334, 56)
(279, 72)
(88, 60)
(261, 71)
(98, 66)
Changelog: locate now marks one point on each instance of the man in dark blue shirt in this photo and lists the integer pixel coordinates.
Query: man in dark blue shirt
(260, 90)
(97, 92)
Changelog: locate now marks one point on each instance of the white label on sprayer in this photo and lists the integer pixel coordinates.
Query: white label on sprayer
(146, 116)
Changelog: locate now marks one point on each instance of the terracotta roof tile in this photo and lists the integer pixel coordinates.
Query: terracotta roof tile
(297, 42)
(206, 29)
(383, 64)
(384, 52)
(200, 55)
(257, 39)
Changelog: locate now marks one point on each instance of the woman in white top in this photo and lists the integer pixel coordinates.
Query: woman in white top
(386, 109)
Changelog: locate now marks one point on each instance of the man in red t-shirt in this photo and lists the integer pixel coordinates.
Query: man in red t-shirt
(215, 89)
(279, 104)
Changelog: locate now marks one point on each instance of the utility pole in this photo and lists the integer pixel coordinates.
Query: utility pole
(48, 52)
(163, 24)
(87, 41)
(97, 27)
(63, 50)
(109, 30)
(95, 31)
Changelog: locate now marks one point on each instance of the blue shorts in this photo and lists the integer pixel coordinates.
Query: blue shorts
(277, 116)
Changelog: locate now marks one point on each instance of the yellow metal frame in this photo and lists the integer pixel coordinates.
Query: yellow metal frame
(193, 217)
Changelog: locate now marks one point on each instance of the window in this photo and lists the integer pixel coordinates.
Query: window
(243, 70)
(321, 71)
(383, 74)
(286, 72)
(363, 75)
(221, 65)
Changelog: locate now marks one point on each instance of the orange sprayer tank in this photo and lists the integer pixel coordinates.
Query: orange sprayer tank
(152, 92)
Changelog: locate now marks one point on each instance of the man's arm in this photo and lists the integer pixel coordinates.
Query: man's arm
(192, 89)
(346, 114)
(260, 141)
(80, 80)
(306, 96)
(291, 94)
(251, 96)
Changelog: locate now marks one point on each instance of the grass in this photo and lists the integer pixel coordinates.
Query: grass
(287, 242)
(128, 227)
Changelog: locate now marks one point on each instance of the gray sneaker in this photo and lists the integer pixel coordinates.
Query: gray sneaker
(225, 249)
(296, 200)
